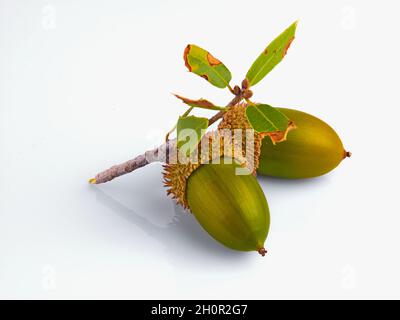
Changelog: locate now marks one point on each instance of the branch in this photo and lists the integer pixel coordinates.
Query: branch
(220, 114)
(160, 154)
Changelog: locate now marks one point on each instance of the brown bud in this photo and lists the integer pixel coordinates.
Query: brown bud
(245, 84)
(247, 94)
(236, 90)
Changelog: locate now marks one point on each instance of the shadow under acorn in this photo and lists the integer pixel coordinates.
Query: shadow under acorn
(289, 184)
(182, 238)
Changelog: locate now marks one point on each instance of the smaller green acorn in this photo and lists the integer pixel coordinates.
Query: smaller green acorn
(313, 149)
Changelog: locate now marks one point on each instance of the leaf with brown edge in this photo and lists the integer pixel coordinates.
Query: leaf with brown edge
(204, 64)
(269, 121)
(271, 56)
(280, 136)
(200, 103)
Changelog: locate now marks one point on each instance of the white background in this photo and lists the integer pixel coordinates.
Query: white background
(86, 84)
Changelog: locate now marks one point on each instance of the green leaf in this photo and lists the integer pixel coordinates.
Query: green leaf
(201, 103)
(271, 56)
(264, 118)
(190, 130)
(204, 64)
(269, 121)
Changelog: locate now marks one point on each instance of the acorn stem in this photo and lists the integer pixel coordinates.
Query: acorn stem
(160, 154)
(221, 113)
(262, 251)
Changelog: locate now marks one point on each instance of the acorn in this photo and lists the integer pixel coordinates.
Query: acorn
(313, 149)
(232, 208)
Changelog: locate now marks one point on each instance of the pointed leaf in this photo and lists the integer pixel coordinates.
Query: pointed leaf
(190, 130)
(204, 64)
(271, 56)
(269, 121)
(201, 103)
(264, 118)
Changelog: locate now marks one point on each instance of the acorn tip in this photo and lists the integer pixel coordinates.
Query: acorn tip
(262, 251)
(347, 154)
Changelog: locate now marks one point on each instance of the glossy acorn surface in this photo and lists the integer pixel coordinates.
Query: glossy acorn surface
(311, 150)
(231, 208)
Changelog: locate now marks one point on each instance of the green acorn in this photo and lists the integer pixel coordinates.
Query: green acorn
(232, 208)
(312, 150)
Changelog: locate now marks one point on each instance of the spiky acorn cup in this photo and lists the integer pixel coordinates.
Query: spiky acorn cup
(232, 208)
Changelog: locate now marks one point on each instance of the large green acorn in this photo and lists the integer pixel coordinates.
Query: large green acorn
(311, 150)
(231, 207)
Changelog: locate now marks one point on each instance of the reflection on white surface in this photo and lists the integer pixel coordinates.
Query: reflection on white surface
(179, 238)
